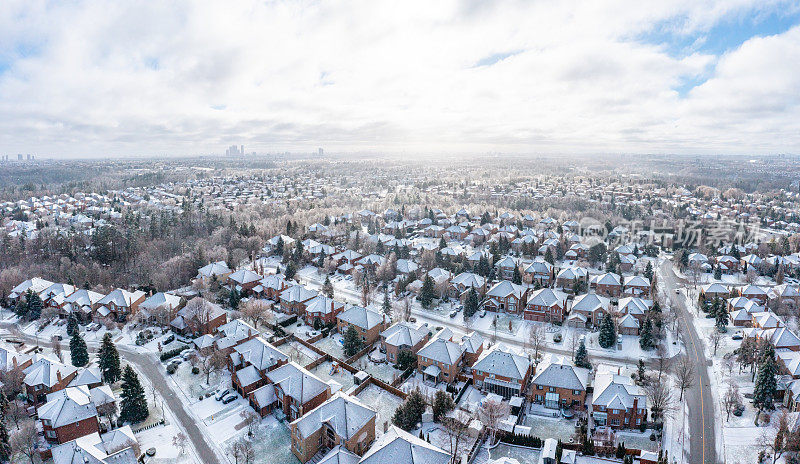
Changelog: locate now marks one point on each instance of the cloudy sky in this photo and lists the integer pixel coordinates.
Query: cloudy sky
(118, 77)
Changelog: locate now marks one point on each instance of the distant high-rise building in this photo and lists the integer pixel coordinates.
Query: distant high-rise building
(321, 151)
(241, 149)
(19, 156)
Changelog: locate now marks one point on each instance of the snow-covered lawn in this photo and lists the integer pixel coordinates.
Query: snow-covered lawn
(332, 345)
(194, 385)
(384, 402)
(344, 378)
(299, 353)
(380, 370)
(546, 427)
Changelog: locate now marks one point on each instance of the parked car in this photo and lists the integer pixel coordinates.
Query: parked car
(453, 314)
(230, 398)
(737, 336)
(222, 394)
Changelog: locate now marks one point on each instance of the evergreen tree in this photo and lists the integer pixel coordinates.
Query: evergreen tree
(387, 305)
(483, 266)
(548, 256)
(582, 356)
(109, 360)
(72, 325)
(608, 334)
(327, 287)
(290, 270)
(427, 293)
(648, 271)
(22, 306)
(717, 273)
(234, 298)
(471, 303)
(34, 306)
(766, 381)
(5, 446)
(646, 335)
(517, 278)
(134, 403)
(78, 351)
(442, 243)
(279, 246)
(442, 404)
(351, 342)
(722, 319)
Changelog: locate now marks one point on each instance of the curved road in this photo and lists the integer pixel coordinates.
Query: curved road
(148, 365)
(699, 398)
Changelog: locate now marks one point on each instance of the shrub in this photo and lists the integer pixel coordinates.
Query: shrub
(172, 353)
(557, 337)
(195, 370)
(172, 368)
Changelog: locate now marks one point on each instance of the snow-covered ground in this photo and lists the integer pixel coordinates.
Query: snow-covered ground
(326, 372)
(384, 402)
(332, 345)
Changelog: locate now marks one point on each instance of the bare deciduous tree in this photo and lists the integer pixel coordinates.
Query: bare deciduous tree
(731, 400)
(256, 311)
(491, 413)
(26, 441)
(180, 441)
(660, 398)
(56, 344)
(774, 439)
(243, 451)
(210, 362)
(536, 340)
(684, 374)
(456, 425)
(715, 338)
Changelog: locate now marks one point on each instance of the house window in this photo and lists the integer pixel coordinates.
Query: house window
(51, 434)
(576, 392)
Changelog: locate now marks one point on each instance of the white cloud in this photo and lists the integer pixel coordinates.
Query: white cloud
(123, 77)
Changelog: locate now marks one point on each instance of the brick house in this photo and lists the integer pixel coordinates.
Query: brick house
(755, 293)
(295, 298)
(538, 271)
(322, 310)
(461, 283)
(591, 308)
(368, 323)
(636, 286)
(636, 307)
(397, 446)
(233, 334)
(546, 305)
(505, 267)
(559, 384)
(297, 390)
(271, 286)
(120, 304)
(199, 317)
(617, 402)
(340, 421)
(213, 272)
(403, 336)
(254, 359)
(471, 347)
(45, 376)
(608, 284)
(568, 277)
(82, 303)
(502, 371)
(440, 359)
(506, 296)
(244, 280)
(68, 414)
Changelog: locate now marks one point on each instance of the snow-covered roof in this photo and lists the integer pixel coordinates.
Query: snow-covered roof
(45, 371)
(260, 353)
(67, 406)
(404, 333)
(296, 382)
(502, 361)
(556, 371)
(114, 447)
(361, 317)
(344, 414)
(397, 446)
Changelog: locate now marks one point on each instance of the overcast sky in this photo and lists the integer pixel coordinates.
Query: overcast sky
(94, 78)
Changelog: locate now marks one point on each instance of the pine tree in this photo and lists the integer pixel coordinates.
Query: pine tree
(517, 278)
(234, 298)
(442, 243)
(717, 273)
(646, 335)
(34, 306)
(78, 351)
(648, 271)
(327, 287)
(471, 303)
(351, 342)
(548, 256)
(582, 356)
(290, 270)
(109, 360)
(722, 319)
(608, 334)
(426, 294)
(72, 325)
(766, 381)
(5, 447)
(134, 404)
(387, 305)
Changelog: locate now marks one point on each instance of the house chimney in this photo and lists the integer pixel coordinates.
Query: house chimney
(58, 376)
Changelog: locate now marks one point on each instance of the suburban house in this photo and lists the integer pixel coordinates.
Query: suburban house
(244, 280)
(68, 414)
(608, 284)
(120, 304)
(617, 402)
(589, 309)
(115, 447)
(294, 299)
(502, 371)
(82, 303)
(505, 267)
(546, 305)
(199, 317)
(297, 391)
(636, 286)
(506, 296)
(538, 271)
(403, 336)
(233, 334)
(11, 359)
(167, 302)
(54, 295)
(568, 277)
(471, 347)
(271, 286)
(213, 272)
(756, 293)
(35, 285)
(322, 310)
(45, 376)
(368, 323)
(251, 361)
(440, 358)
(635, 306)
(340, 421)
(715, 290)
(461, 283)
(397, 446)
(559, 384)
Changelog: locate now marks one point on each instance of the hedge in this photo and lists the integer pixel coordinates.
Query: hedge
(172, 353)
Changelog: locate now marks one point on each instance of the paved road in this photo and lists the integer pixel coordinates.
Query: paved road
(699, 398)
(149, 366)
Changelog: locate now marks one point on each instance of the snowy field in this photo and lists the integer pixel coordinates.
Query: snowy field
(383, 401)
